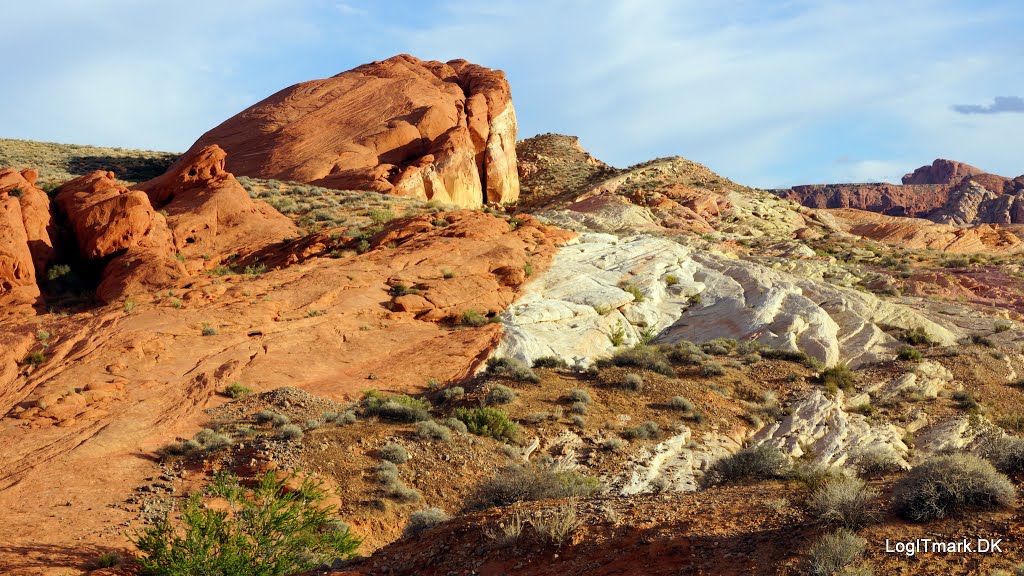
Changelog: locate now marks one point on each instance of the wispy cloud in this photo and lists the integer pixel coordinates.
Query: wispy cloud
(999, 105)
(346, 8)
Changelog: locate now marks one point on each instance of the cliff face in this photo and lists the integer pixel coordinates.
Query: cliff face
(429, 130)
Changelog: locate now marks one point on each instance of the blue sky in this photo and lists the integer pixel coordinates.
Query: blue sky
(768, 93)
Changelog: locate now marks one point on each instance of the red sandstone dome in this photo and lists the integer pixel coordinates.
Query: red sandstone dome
(429, 130)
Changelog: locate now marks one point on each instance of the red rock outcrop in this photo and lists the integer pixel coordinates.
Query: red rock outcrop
(37, 217)
(402, 126)
(209, 212)
(109, 220)
(941, 172)
(913, 201)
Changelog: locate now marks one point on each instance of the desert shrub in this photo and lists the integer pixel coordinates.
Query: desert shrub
(500, 394)
(712, 369)
(761, 462)
(1001, 327)
(290, 432)
(617, 336)
(511, 368)
(491, 422)
(1006, 454)
(184, 448)
(425, 519)
(402, 408)
(452, 393)
(646, 431)
(237, 390)
(720, 346)
(381, 216)
(839, 377)
(275, 418)
(455, 425)
(209, 330)
(578, 408)
(918, 336)
(107, 560)
(633, 289)
(681, 404)
(834, 552)
(550, 362)
(555, 527)
(614, 444)
(966, 401)
(311, 424)
(346, 417)
(910, 354)
(878, 460)
(578, 395)
(845, 501)
(430, 430)
(402, 493)
(268, 531)
(790, 356)
(474, 318)
(34, 358)
(814, 475)
(393, 452)
(633, 382)
(950, 485)
(211, 440)
(530, 482)
(578, 421)
(983, 341)
(640, 356)
(386, 473)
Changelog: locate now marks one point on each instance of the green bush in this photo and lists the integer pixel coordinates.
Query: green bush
(761, 462)
(531, 482)
(269, 531)
(491, 422)
(474, 318)
(1007, 455)
(950, 485)
(34, 358)
(452, 393)
(511, 368)
(290, 432)
(236, 390)
(643, 357)
(910, 354)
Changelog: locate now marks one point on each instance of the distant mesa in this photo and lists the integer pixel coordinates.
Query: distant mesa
(403, 126)
(945, 191)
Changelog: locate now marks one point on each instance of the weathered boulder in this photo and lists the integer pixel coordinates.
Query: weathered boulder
(403, 126)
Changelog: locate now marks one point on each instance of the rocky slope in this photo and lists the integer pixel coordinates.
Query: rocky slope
(429, 130)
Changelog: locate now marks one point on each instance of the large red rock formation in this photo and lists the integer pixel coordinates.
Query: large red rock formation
(941, 172)
(403, 126)
(109, 220)
(17, 273)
